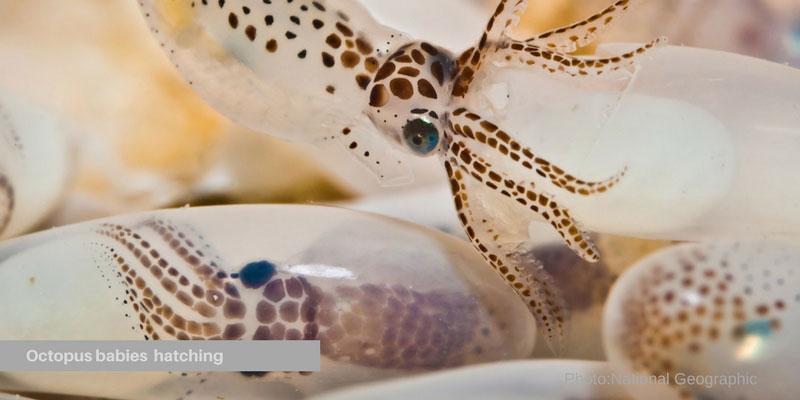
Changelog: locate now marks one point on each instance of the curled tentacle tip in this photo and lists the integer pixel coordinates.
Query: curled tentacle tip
(556, 342)
(591, 256)
(657, 43)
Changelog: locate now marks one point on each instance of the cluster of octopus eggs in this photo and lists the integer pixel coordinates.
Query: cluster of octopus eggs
(711, 321)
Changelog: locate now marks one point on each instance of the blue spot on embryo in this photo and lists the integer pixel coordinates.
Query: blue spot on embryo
(257, 274)
(758, 328)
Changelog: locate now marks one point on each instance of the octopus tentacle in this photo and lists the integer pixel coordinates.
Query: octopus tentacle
(526, 54)
(533, 285)
(470, 125)
(6, 202)
(157, 317)
(568, 39)
(489, 165)
(504, 19)
(547, 208)
(199, 261)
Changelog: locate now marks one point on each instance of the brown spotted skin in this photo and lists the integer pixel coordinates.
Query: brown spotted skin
(414, 82)
(369, 87)
(6, 202)
(372, 325)
(316, 35)
(296, 69)
(696, 309)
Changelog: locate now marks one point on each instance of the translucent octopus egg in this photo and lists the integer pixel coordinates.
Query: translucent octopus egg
(710, 321)
(384, 298)
(709, 139)
(517, 380)
(34, 165)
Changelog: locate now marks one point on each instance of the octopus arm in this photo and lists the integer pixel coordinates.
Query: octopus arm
(499, 240)
(526, 196)
(524, 54)
(568, 39)
(505, 18)
(6, 201)
(472, 126)
(501, 23)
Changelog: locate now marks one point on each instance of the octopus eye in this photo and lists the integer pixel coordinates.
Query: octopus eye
(421, 136)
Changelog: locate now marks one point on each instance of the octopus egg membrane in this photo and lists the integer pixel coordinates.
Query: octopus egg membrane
(384, 298)
(34, 164)
(515, 380)
(709, 320)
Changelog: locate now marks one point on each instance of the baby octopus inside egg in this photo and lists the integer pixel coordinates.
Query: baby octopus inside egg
(384, 298)
(327, 71)
(709, 321)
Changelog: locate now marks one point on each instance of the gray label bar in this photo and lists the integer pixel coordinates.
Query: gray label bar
(161, 355)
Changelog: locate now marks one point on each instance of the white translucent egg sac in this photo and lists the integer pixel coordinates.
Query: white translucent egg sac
(512, 380)
(34, 164)
(708, 321)
(385, 298)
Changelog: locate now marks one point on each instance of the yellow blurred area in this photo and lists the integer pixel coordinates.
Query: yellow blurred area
(544, 15)
(143, 138)
(172, 129)
(176, 13)
(135, 103)
(178, 136)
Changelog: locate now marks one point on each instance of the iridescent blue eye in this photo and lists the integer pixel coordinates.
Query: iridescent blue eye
(793, 42)
(421, 136)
